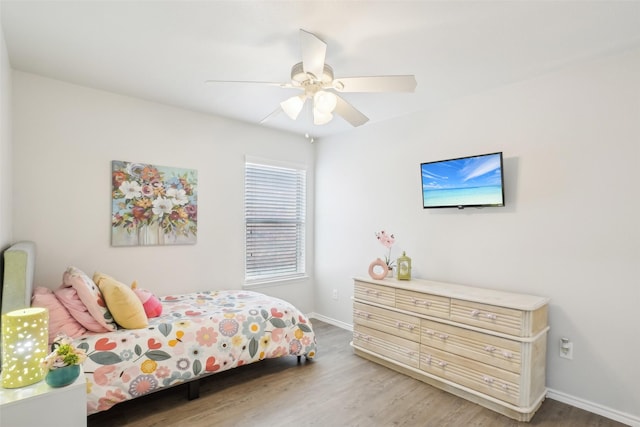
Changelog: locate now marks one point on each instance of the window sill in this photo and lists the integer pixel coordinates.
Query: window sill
(267, 283)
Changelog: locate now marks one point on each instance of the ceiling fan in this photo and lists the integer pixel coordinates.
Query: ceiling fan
(315, 79)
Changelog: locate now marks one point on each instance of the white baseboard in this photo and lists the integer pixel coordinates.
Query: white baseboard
(331, 321)
(595, 408)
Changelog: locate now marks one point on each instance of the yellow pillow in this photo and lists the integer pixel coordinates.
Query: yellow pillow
(124, 305)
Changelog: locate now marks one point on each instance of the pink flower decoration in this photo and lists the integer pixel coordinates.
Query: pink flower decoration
(387, 241)
(110, 399)
(104, 374)
(277, 334)
(206, 336)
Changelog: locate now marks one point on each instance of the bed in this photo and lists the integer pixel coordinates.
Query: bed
(196, 335)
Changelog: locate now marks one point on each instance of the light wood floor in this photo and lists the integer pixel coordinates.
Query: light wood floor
(336, 389)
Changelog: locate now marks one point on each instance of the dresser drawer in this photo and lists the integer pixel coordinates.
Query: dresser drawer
(390, 346)
(417, 302)
(500, 319)
(486, 379)
(375, 293)
(495, 351)
(402, 325)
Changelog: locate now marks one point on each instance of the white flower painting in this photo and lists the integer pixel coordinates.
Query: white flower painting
(153, 205)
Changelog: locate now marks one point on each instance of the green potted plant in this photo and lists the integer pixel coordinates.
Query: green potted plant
(62, 365)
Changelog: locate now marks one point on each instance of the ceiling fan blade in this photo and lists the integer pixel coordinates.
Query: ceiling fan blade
(349, 113)
(293, 106)
(314, 52)
(376, 84)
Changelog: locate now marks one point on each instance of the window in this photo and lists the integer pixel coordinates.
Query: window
(275, 200)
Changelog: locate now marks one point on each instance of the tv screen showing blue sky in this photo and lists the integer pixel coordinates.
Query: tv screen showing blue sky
(466, 181)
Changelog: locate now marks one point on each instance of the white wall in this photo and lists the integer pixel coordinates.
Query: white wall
(65, 139)
(569, 231)
(5, 144)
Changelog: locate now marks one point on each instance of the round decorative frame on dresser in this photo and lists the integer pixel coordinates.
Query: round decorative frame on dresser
(383, 266)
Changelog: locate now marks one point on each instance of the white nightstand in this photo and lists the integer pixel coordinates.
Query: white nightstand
(40, 405)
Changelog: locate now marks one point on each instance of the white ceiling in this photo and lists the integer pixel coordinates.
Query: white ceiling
(163, 51)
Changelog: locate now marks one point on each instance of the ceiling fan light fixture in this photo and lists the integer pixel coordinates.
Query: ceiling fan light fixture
(324, 101)
(321, 118)
(293, 106)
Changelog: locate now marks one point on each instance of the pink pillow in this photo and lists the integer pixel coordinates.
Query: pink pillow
(150, 302)
(60, 320)
(69, 298)
(89, 294)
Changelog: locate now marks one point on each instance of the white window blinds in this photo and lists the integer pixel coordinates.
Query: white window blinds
(275, 200)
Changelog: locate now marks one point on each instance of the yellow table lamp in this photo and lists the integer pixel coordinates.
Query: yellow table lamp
(25, 338)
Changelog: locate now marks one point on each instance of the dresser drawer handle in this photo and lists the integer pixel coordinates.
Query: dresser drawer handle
(490, 380)
(409, 326)
(363, 314)
(422, 302)
(442, 363)
(371, 291)
(491, 349)
(441, 336)
(428, 360)
(362, 336)
(478, 313)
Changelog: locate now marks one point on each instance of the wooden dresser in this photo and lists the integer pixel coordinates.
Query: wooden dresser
(483, 345)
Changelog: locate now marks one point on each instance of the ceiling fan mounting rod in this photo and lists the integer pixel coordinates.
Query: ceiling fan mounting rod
(299, 76)
(311, 88)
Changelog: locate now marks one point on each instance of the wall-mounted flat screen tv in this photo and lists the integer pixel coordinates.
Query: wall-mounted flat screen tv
(474, 181)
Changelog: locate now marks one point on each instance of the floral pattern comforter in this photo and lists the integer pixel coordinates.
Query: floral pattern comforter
(198, 334)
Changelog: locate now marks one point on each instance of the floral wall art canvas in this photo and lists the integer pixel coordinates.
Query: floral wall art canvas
(153, 205)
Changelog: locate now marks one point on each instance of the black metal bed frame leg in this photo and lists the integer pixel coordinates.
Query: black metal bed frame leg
(299, 359)
(194, 389)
